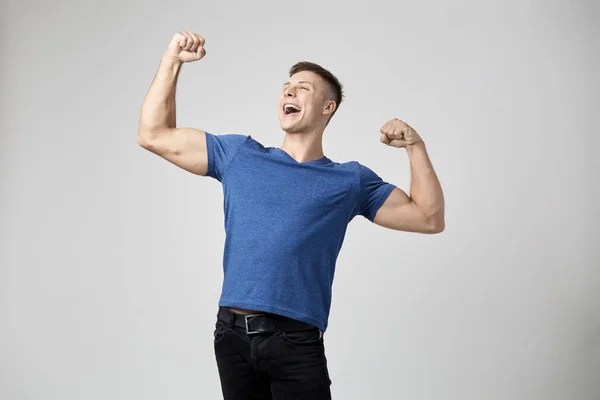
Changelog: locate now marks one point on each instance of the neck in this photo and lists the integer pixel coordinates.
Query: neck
(304, 147)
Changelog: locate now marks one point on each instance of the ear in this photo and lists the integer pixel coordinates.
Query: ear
(329, 107)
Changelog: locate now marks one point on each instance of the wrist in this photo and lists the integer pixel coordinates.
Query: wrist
(171, 61)
(419, 146)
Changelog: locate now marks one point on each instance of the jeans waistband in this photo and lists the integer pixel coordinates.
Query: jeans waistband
(261, 323)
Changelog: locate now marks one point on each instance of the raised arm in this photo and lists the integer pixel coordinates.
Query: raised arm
(423, 210)
(158, 131)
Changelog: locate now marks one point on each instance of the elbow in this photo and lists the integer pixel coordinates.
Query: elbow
(146, 138)
(142, 141)
(436, 224)
(437, 227)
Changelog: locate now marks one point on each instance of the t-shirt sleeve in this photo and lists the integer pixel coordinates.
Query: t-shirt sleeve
(220, 149)
(373, 192)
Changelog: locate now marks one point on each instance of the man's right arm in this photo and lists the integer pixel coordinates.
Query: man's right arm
(157, 131)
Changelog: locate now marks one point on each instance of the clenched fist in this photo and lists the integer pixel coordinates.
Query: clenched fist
(186, 47)
(397, 133)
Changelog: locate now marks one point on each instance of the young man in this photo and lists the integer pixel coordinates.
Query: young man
(286, 213)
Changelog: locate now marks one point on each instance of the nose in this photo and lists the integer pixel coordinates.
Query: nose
(288, 92)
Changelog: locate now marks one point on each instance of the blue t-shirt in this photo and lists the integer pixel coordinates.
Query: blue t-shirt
(285, 223)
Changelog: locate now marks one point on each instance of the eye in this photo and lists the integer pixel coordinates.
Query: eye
(303, 87)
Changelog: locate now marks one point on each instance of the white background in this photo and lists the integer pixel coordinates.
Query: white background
(111, 258)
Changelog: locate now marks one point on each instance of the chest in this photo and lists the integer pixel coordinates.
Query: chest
(273, 186)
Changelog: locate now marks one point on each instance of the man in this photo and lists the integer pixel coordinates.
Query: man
(286, 213)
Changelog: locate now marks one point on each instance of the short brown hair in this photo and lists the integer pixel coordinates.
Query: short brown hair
(333, 82)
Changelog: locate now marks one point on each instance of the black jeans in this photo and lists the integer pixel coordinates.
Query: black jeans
(276, 365)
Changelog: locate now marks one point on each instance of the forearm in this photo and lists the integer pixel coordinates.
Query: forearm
(158, 109)
(425, 189)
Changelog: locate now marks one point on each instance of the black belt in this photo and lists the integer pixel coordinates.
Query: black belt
(260, 323)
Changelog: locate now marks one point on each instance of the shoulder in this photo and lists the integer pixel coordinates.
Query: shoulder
(365, 176)
(229, 143)
(252, 142)
(227, 138)
(356, 167)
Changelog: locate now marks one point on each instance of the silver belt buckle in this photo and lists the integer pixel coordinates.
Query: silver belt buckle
(246, 316)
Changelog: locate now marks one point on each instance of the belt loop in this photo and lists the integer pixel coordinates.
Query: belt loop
(227, 316)
(231, 318)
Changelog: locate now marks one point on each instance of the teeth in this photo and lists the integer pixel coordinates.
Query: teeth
(292, 106)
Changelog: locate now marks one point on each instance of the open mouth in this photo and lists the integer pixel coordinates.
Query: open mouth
(290, 109)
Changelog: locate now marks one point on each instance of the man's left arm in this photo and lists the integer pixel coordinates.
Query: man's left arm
(423, 210)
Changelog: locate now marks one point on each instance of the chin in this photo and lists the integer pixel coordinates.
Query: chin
(292, 125)
(290, 128)
(286, 126)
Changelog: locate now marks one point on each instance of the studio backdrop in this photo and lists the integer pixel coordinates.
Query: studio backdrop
(111, 258)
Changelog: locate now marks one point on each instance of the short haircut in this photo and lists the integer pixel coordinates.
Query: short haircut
(335, 87)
